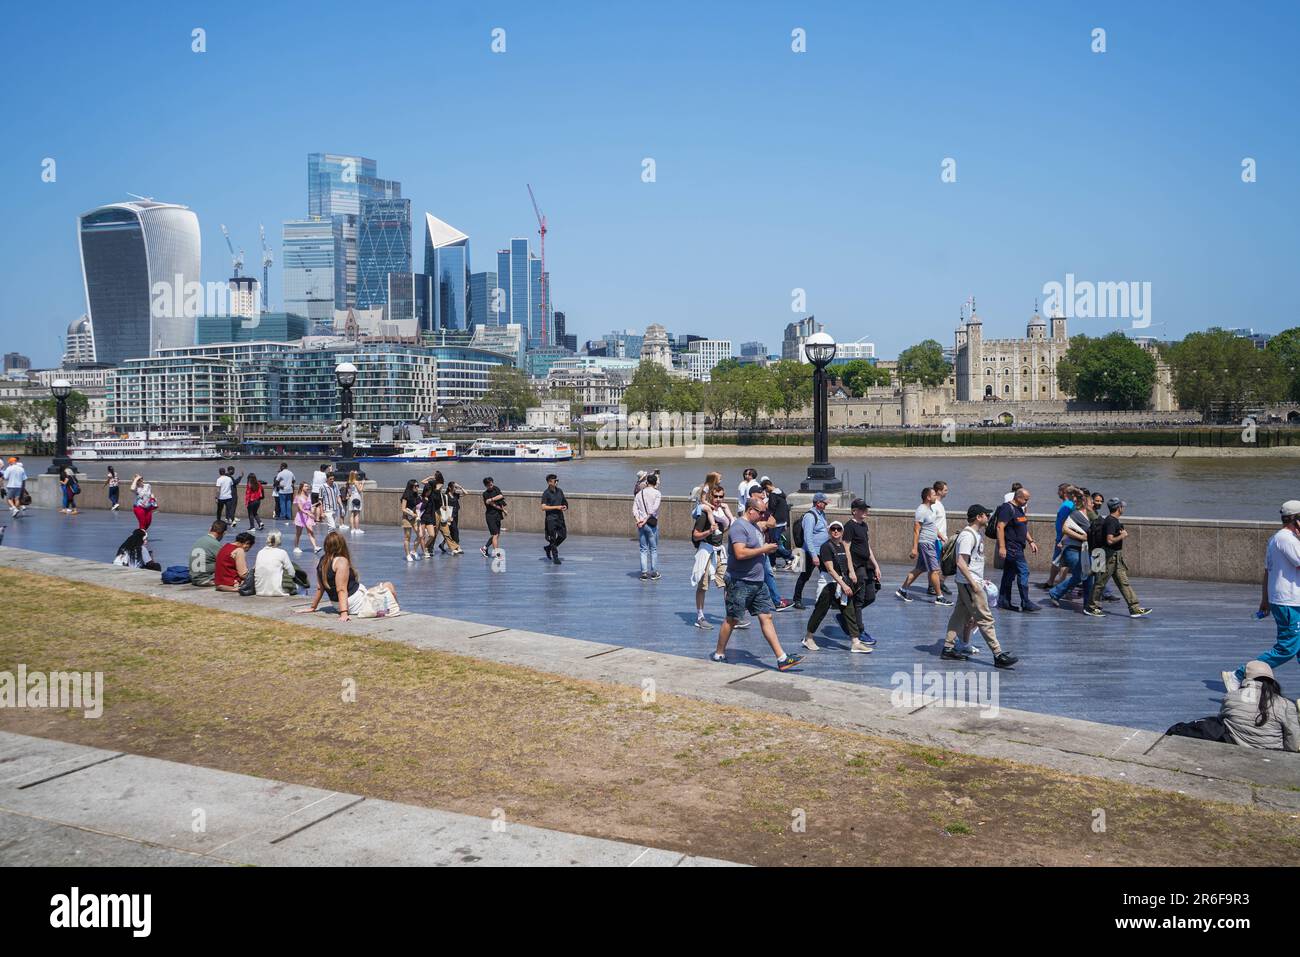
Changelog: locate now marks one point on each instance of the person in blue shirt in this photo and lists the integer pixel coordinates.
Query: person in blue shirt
(815, 535)
(1062, 513)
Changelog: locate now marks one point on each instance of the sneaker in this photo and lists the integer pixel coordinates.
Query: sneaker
(1056, 602)
(788, 662)
(298, 551)
(555, 559)
(1230, 680)
(419, 556)
(797, 604)
(1139, 612)
(645, 576)
(901, 594)
(483, 550)
(1004, 660)
(966, 650)
(859, 648)
(866, 639)
(810, 644)
(409, 558)
(655, 576)
(702, 623)
(943, 601)
(116, 507)
(717, 657)
(318, 549)
(744, 623)
(1030, 606)
(1094, 613)
(546, 550)
(358, 531)
(952, 654)
(930, 592)
(945, 589)
(785, 605)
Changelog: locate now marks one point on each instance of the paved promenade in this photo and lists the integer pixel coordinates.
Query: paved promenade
(1146, 673)
(70, 805)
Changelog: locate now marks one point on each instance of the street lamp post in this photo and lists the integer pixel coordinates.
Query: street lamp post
(820, 350)
(60, 389)
(346, 374)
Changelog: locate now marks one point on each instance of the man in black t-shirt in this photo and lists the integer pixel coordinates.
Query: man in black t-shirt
(1011, 527)
(494, 510)
(857, 538)
(554, 505)
(779, 509)
(1115, 534)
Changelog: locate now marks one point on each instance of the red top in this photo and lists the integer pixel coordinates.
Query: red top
(227, 573)
(252, 496)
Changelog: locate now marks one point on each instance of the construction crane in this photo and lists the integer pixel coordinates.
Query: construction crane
(541, 229)
(236, 259)
(266, 264)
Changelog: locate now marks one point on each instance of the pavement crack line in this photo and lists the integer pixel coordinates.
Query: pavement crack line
(326, 817)
(757, 671)
(64, 774)
(495, 631)
(143, 842)
(607, 651)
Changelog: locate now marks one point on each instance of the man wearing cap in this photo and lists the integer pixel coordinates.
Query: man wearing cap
(1280, 593)
(857, 538)
(15, 477)
(1114, 534)
(815, 535)
(972, 604)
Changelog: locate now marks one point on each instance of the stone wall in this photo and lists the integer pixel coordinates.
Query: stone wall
(1189, 549)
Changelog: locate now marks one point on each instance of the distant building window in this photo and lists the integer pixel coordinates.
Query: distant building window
(988, 371)
(1006, 390)
(1044, 390)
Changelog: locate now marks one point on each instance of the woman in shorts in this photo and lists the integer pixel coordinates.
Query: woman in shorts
(337, 577)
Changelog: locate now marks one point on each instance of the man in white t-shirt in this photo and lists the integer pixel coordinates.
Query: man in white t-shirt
(225, 492)
(941, 529)
(748, 482)
(925, 534)
(284, 480)
(15, 478)
(1280, 593)
(972, 603)
(318, 482)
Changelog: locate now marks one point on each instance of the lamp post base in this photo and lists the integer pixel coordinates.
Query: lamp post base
(344, 467)
(821, 478)
(59, 463)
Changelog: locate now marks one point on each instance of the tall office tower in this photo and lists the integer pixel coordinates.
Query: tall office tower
(313, 262)
(483, 300)
(80, 346)
(136, 260)
(336, 186)
(410, 298)
(16, 362)
(520, 287)
(538, 283)
(383, 246)
(446, 260)
(796, 334)
(503, 283)
(562, 337)
(245, 299)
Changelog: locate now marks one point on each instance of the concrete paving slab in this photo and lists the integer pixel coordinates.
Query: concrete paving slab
(1268, 768)
(32, 842)
(25, 759)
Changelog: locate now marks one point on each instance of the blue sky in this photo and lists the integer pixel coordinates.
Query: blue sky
(775, 170)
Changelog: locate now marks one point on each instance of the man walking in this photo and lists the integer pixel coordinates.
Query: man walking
(857, 538)
(815, 533)
(1280, 594)
(15, 478)
(284, 480)
(972, 606)
(746, 591)
(225, 494)
(1114, 535)
(231, 519)
(779, 508)
(494, 510)
(1062, 512)
(1074, 551)
(645, 510)
(924, 536)
(554, 505)
(1012, 525)
(941, 530)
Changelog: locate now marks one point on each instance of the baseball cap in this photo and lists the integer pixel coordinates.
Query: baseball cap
(763, 479)
(641, 473)
(859, 503)
(835, 524)
(975, 511)
(821, 497)
(1291, 507)
(1115, 503)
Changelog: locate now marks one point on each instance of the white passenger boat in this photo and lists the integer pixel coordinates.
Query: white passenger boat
(144, 446)
(508, 450)
(425, 450)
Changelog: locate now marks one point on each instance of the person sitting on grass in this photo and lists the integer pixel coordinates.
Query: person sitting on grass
(232, 563)
(203, 556)
(1253, 715)
(337, 577)
(273, 572)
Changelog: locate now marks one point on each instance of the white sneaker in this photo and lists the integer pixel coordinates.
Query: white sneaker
(744, 623)
(702, 623)
(966, 649)
(116, 507)
(419, 555)
(358, 531)
(409, 558)
(318, 549)
(858, 648)
(810, 644)
(297, 551)
(1231, 681)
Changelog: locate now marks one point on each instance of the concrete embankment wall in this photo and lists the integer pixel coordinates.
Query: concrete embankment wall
(1177, 548)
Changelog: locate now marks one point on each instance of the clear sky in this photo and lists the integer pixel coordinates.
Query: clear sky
(775, 170)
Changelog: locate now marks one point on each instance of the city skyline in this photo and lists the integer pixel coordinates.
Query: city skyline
(1122, 166)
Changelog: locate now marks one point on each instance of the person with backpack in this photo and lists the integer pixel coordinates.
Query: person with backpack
(857, 538)
(1010, 526)
(779, 508)
(811, 534)
(965, 558)
(1111, 542)
(71, 489)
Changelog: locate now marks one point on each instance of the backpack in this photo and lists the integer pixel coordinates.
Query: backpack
(796, 530)
(1097, 535)
(991, 529)
(948, 557)
(176, 575)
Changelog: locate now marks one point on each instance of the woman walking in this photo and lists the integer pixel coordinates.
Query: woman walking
(70, 491)
(337, 577)
(442, 514)
(352, 503)
(254, 492)
(303, 519)
(110, 483)
(145, 503)
(410, 521)
(454, 491)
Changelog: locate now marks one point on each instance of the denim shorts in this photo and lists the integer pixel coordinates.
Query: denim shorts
(746, 596)
(927, 560)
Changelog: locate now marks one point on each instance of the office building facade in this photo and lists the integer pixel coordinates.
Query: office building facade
(446, 262)
(486, 300)
(383, 246)
(137, 260)
(312, 260)
(337, 185)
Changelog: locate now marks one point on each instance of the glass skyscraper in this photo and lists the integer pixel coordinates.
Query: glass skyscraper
(337, 184)
(313, 263)
(503, 283)
(520, 288)
(136, 261)
(482, 287)
(383, 246)
(446, 260)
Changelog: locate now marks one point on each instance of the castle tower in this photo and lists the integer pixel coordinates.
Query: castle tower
(1058, 328)
(1037, 328)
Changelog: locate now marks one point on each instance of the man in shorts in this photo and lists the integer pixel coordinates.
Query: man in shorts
(746, 588)
(925, 533)
(494, 510)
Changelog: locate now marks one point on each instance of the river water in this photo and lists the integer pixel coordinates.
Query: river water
(1249, 488)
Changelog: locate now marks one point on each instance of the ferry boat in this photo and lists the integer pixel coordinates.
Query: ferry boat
(508, 450)
(425, 450)
(144, 446)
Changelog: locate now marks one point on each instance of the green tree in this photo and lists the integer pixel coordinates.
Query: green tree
(1221, 374)
(1113, 370)
(723, 394)
(860, 375)
(924, 363)
(758, 391)
(685, 396)
(648, 390)
(510, 391)
(1285, 347)
(794, 383)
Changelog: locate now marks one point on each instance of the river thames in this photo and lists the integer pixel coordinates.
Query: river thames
(1229, 487)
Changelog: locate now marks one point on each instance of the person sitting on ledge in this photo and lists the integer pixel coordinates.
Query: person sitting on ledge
(273, 572)
(203, 556)
(232, 562)
(1253, 715)
(337, 577)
